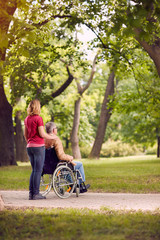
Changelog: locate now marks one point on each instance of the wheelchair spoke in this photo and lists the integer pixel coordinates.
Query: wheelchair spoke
(63, 181)
(46, 184)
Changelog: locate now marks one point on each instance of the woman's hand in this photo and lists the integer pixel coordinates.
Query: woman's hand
(45, 135)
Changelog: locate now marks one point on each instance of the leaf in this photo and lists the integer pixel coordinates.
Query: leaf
(3, 40)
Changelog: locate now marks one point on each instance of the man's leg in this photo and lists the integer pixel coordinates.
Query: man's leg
(79, 166)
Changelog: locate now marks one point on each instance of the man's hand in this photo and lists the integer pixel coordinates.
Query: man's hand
(73, 163)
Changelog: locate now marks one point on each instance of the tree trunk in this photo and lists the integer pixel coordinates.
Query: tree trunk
(6, 130)
(158, 147)
(152, 49)
(74, 134)
(104, 118)
(67, 142)
(20, 143)
(6, 123)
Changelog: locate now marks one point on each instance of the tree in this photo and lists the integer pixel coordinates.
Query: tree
(124, 20)
(9, 35)
(137, 102)
(104, 117)
(133, 18)
(20, 143)
(7, 10)
(81, 89)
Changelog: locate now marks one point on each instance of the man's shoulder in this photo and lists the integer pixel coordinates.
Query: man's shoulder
(57, 140)
(53, 141)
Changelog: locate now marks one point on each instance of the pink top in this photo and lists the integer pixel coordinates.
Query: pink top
(33, 138)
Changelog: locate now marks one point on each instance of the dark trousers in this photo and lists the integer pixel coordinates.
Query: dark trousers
(36, 156)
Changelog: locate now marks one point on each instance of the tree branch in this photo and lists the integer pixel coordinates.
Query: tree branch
(89, 26)
(39, 89)
(82, 90)
(64, 85)
(49, 19)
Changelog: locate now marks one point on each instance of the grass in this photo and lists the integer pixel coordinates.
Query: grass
(130, 175)
(138, 174)
(127, 174)
(83, 224)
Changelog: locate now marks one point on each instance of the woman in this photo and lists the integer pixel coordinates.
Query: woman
(34, 134)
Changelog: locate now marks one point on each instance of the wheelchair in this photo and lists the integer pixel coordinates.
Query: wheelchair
(60, 176)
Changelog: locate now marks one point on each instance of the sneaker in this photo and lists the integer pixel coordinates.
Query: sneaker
(83, 187)
(88, 186)
(30, 196)
(38, 197)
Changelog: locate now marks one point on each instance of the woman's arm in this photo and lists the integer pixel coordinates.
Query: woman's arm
(25, 133)
(43, 134)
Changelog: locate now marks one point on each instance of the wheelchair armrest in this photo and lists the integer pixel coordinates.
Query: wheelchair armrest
(62, 163)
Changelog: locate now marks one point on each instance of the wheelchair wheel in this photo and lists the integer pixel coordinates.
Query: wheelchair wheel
(63, 181)
(46, 184)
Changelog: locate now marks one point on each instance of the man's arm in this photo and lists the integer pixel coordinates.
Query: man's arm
(60, 151)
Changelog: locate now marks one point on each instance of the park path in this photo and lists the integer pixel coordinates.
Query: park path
(114, 201)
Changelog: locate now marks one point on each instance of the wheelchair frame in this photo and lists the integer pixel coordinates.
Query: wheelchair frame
(64, 181)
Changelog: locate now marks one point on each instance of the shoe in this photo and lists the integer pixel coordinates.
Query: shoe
(88, 186)
(38, 197)
(83, 187)
(30, 196)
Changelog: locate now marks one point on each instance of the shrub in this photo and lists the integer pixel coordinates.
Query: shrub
(85, 151)
(152, 150)
(118, 148)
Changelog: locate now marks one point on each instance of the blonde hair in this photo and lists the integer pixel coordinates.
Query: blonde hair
(34, 107)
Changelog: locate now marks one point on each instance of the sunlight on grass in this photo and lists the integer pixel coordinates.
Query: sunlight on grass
(23, 164)
(136, 174)
(120, 159)
(140, 174)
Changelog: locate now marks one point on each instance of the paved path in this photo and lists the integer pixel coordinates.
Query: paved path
(89, 200)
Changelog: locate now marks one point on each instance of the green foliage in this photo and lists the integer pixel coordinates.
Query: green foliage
(151, 150)
(43, 32)
(118, 149)
(84, 149)
(136, 107)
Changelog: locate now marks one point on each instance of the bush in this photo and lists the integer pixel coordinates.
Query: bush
(85, 151)
(68, 151)
(152, 150)
(118, 149)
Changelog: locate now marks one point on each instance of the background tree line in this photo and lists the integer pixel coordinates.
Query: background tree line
(41, 57)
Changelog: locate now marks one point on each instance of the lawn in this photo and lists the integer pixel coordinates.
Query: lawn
(58, 224)
(140, 174)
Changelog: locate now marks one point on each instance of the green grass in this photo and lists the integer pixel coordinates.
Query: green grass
(127, 174)
(83, 224)
(138, 174)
